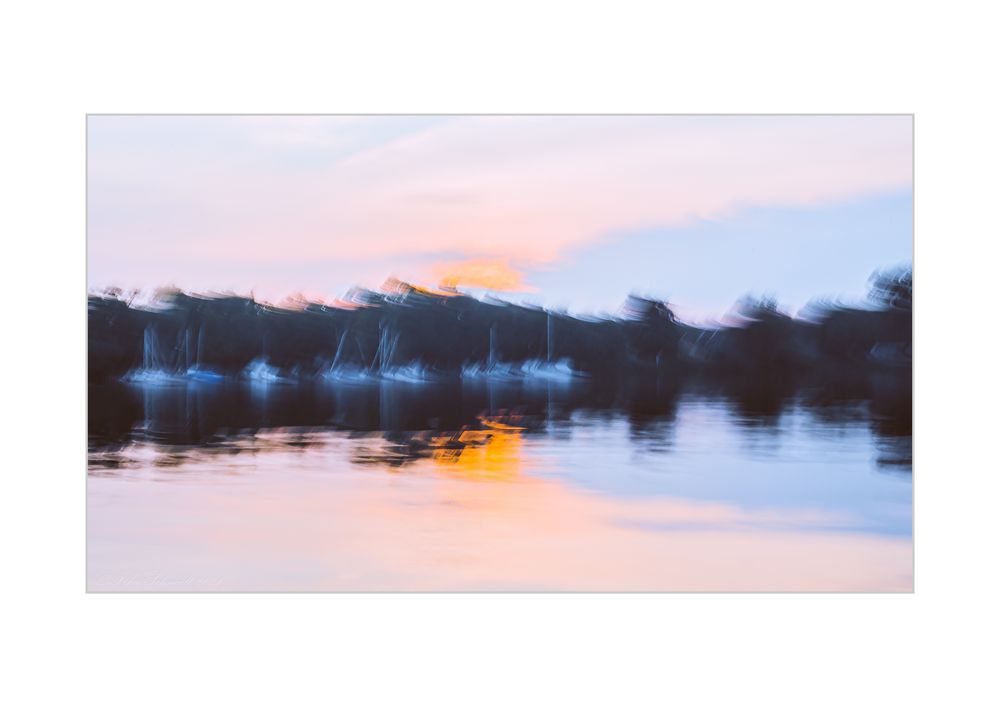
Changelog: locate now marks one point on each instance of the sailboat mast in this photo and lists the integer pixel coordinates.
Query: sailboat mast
(340, 349)
(548, 337)
(147, 348)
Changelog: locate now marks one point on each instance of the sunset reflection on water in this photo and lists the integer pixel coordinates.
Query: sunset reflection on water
(492, 454)
(589, 501)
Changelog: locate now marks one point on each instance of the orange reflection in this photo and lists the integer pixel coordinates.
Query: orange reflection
(491, 454)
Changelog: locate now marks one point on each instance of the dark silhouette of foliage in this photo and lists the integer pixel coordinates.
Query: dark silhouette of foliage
(445, 331)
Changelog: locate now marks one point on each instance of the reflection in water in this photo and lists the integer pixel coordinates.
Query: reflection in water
(493, 453)
(499, 486)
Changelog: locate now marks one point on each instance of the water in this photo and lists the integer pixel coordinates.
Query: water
(648, 485)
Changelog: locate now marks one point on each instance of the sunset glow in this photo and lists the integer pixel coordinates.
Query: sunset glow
(278, 205)
(500, 353)
(496, 275)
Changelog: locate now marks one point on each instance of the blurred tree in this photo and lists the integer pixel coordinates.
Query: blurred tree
(892, 289)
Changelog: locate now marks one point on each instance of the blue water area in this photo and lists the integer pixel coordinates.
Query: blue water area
(484, 484)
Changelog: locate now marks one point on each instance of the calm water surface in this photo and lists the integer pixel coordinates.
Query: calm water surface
(326, 487)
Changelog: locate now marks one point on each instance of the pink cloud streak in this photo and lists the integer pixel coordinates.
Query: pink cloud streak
(250, 193)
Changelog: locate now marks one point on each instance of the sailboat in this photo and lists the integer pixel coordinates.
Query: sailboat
(155, 369)
(381, 366)
(198, 372)
(261, 372)
(385, 369)
(175, 364)
(551, 370)
(493, 369)
(344, 372)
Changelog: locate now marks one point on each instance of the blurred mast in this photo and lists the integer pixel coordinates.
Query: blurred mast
(548, 337)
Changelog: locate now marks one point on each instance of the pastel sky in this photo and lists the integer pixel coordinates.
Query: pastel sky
(572, 211)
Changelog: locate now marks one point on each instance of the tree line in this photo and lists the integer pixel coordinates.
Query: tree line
(445, 332)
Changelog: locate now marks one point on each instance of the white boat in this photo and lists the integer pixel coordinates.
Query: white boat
(154, 376)
(493, 369)
(259, 371)
(173, 366)
(382, 366)
(410, 373)
(560, 371)
(538, 370)
(349, 373)
(551, 370)
(199, 374)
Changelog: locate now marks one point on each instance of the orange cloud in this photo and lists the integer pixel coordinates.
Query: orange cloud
(490, 274)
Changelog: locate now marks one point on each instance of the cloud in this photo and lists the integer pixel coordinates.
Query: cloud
(256, 193)
(496, 275)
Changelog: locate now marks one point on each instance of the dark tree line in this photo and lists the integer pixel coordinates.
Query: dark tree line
(446, 332)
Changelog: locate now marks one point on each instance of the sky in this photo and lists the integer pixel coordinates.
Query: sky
(575, 212)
